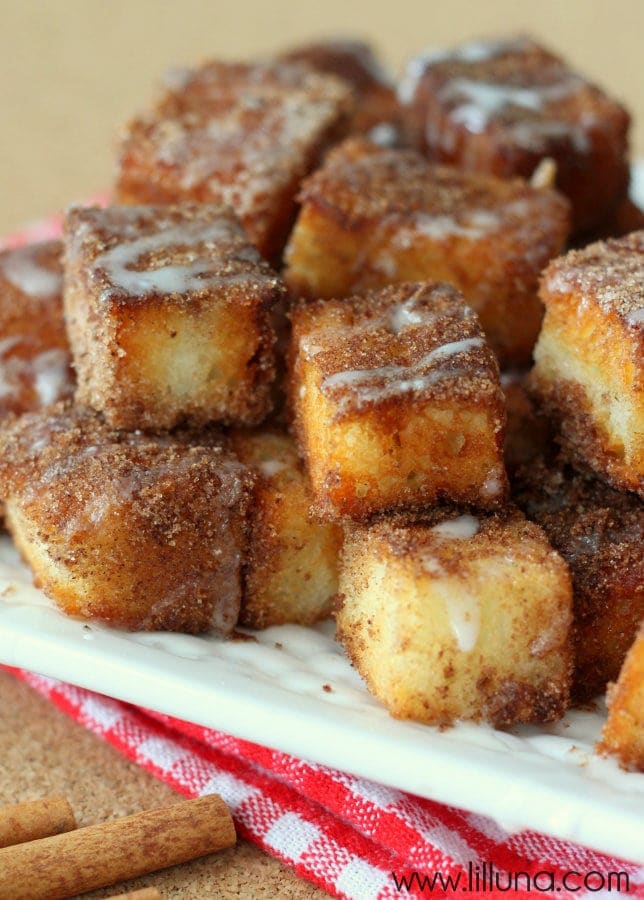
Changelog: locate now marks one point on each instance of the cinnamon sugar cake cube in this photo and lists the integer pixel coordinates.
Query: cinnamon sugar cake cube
(385, 216)
(589, 360)
(35, 361)
(501, 106)
(600, 534)
(453, 616)
(141, 532)
(377, 114)
(623, 733)
(397, 402)
(168, 311)
(291, 568)
(243, 134)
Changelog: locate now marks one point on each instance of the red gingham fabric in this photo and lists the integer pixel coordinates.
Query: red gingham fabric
(347, 835)
(351, 837)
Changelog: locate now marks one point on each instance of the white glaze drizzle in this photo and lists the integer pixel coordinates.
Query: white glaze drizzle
(51, 375)
(463, 611)
(471, 52)
(21, 269)
(493, 484)
(271, 467)
(461, 528)
(476, 223)
(635, 316)
(482, 100)
(408, 314)
(400, 379)
(171, 279)
(384, 134)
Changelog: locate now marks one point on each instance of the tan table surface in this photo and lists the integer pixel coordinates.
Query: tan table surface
(44, 753)
(71, 71)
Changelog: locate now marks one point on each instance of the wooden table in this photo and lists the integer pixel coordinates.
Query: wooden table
(73, 70)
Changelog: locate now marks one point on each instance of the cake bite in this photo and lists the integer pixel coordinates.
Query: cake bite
(168, 311)
(377, 114)
(141, 532)
(454, 616)
(501, 106)
(623, 733)
(589, 360)
(397, 402)
(35, 362)
(242, 134)
(600, 534)
(291, 568)
(386, 216)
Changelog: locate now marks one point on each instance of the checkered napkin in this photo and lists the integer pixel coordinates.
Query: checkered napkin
(353, 838)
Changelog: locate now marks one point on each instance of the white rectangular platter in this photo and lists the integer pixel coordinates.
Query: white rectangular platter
(272, 692)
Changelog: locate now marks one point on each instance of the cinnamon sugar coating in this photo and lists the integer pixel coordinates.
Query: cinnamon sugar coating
(589, 360)
(600, 533)
(291, 567)
(397, 401)
(168, 311)
(35, 361)
(140, 532)
(609, 274)
(501, 106)
(377, 113)
(623, 733)
(425, 601)
(386, 216)
(235, 133)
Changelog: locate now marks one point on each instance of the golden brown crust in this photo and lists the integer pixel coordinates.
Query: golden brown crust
(397, 402)
(383, 333)
(589, 360)
(143, 533)
(356, 63)
(168, 313)
(361, 182)
(502, 106)
(352, 60)
(424, 600)
(600, 533)
(291, 566)
(581, 438)
(35, 361)
(608, 274)
(623, 733)
(387, 216)
(235, 133)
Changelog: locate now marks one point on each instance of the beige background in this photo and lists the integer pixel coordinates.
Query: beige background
(74, 69)
(71, 71)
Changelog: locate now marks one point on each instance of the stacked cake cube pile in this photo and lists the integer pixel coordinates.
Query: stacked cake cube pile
(300, 347)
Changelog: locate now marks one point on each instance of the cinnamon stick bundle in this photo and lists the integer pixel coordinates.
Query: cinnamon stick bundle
(92, 857)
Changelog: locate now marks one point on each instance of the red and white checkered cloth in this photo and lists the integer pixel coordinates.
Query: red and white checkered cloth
(347, 835)
(351, 837)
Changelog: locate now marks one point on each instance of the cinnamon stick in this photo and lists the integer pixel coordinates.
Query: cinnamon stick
(92, 857)
(35, 819)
